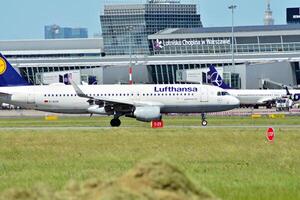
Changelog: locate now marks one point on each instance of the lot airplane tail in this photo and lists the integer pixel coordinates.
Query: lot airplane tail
(9, 76)
(215, 78)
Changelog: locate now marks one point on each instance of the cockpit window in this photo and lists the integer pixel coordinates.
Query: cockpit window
(222, 93)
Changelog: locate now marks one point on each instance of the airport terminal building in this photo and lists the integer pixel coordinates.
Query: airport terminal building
(158, 39)
(200, 47)
(170, 50)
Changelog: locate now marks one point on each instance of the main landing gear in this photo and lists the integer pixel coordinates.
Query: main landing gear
(204, 122)
(115, 122)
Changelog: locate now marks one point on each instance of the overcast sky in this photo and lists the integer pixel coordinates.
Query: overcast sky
(25, 19)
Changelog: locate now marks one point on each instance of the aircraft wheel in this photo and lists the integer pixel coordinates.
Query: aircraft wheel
(204, 123)
(115, 122)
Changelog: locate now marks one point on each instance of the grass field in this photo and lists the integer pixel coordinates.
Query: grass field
(233, 163)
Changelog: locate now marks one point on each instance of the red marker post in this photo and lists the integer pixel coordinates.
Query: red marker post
(157, 124)
(270, 134)
(130, 76)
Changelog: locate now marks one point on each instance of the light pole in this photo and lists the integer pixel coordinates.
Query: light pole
(129, 29)
(232, 7)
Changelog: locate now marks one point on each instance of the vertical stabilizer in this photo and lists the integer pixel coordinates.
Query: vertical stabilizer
(8, 75)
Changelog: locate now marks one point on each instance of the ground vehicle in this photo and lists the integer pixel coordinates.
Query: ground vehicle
(283, 104)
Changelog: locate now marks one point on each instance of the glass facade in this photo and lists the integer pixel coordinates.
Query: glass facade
(125, 28)
(30, 73)
(166, 74)
(57, 32)
(211, 43)
(217, 45)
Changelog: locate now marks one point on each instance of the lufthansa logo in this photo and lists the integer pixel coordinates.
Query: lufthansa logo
(2, 66)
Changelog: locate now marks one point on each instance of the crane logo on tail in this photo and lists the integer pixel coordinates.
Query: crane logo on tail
(2, 66)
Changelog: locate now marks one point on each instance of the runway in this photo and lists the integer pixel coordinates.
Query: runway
(45, 128)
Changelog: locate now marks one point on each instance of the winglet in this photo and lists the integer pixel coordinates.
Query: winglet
(215, 79)
(78, 91)
(9, 76)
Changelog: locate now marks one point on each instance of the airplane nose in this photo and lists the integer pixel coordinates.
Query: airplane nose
(235, 102)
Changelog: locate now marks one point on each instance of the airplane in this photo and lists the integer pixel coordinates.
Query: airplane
(143, 102)
(252, 97)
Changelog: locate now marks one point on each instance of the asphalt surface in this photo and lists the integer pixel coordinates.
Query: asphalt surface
(237, 112)
(133, 127)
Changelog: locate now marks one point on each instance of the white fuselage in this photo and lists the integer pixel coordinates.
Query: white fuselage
(256, 97)
(170, 98)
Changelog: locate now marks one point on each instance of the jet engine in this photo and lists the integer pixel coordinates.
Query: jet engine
(147, 114)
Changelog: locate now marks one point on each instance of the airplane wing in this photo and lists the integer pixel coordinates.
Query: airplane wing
(3, 94)
(266, 99)
(80, 93)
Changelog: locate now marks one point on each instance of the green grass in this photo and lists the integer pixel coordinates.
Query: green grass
(234, 163)
(169, 121)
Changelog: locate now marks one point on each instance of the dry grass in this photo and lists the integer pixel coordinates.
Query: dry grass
(152, 180)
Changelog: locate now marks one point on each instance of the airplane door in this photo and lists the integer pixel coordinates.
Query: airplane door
(204, 95)
(30, 98)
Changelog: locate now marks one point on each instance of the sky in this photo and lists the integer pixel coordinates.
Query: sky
(25, 19)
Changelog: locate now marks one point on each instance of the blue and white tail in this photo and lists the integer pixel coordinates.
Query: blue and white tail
(215, 78)
(8, 75)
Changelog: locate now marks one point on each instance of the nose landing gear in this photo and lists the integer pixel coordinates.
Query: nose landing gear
(204, 122)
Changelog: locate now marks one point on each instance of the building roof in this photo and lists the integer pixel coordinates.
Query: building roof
(85, 45)
(229, 29)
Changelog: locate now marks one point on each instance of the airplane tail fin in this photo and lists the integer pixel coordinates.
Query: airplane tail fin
(8, 75)
(215, 78)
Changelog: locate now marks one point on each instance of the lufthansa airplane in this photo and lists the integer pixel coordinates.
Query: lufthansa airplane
(143, 102)
(252, 97)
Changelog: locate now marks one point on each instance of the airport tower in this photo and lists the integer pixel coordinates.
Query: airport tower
(268, 19)
(126, 27)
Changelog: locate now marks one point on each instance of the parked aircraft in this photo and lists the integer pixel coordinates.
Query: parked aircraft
(143, 102)
(252, 97)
